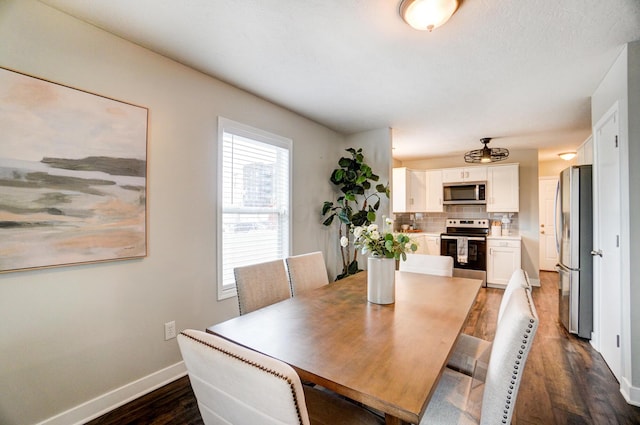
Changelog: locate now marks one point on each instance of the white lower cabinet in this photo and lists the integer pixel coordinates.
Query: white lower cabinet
(503, 258)
(432, 245)
(427, 243)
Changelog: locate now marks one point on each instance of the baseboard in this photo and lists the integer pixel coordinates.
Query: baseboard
(630, 393)
(116, 398)
(534, 282)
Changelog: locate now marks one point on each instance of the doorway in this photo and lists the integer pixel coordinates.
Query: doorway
(547, 187)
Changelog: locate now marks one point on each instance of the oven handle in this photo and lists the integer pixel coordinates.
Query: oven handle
(470, 238)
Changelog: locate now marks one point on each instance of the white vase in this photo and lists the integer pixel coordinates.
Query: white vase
(381, 280)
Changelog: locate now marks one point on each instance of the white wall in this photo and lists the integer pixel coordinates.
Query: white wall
(553, 168)
(528, 215)
(70, 335)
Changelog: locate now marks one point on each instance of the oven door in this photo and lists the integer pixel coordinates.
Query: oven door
(476, 252)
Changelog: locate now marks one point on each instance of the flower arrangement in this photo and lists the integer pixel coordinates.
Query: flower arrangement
(381, 244)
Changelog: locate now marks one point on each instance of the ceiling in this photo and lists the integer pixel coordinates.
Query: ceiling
(521, 72)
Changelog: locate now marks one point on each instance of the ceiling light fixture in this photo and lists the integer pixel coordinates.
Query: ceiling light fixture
(427, 14)
(567, 156)
(486, 154)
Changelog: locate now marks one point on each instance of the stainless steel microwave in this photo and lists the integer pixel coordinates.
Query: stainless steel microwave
(464, 193)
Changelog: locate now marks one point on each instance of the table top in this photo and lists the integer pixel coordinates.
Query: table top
(388, 357)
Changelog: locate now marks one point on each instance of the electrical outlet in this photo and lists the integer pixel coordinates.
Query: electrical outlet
(169, 330)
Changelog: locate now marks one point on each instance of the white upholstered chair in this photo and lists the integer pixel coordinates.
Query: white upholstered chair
(260, 285)
(457, 400)
(236, 385)
(439, 265)
(307, 271)
(470, 349)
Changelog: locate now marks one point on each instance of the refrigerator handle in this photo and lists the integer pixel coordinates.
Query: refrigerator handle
(555, 216)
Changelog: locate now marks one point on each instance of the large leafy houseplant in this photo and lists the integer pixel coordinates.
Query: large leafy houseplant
(356, 206)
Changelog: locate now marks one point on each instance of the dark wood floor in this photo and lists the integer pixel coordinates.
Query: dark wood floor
(565, 381)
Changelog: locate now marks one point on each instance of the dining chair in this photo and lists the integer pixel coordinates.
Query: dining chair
(236, 385)
(260, 285)
(439, 265)
(469, 349)
(457, 400)
(307, 271)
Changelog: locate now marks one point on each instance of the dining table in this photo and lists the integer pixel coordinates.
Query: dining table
(387, 357)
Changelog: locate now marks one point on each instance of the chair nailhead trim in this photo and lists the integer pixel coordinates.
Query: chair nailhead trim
(516, 366)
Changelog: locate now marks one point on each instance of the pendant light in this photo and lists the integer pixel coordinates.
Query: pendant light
(427, 14)
(486, 154)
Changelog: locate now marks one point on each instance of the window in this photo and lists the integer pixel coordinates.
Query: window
(254, 198)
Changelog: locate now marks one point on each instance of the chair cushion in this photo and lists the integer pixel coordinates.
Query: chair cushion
(307, 271)
(456, 401)
(260, 285)
(468, 351)
(518, 280)
(514, 337)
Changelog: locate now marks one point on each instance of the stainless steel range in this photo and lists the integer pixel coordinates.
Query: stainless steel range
(466, 241)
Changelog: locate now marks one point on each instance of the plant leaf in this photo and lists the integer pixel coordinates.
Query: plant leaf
(326, 207)
(344, 162)
(329, 220)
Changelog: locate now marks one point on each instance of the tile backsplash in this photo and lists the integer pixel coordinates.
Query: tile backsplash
(435, 222)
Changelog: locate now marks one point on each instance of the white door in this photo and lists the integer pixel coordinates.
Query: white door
(607, 277)
(548, 252)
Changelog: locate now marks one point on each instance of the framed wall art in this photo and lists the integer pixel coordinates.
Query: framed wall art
(73, 175)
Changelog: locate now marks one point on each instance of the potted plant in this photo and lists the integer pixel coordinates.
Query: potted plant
(356, 206)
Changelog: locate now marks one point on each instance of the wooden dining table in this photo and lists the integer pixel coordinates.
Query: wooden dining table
(388, 357)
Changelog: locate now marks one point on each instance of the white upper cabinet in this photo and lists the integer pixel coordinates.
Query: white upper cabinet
(503, 188)
(434, 191)
(409, 191)
(585, 152)
(464, 174)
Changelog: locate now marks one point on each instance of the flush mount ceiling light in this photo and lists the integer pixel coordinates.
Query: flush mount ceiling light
(427, 14)
(567, 156)
(486, 154)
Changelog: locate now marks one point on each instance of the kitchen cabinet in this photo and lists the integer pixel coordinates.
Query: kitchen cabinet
(432, 244)
(427, 243)
(503, 258)
(434, 191)
(409, 191)
(503, 188)
(464, 174)
(420, 239)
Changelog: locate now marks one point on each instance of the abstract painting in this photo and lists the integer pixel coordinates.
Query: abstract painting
(73, 175)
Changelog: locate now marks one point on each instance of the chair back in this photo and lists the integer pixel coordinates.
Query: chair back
(235, 385)
(307, 271)
(518, 279)
(260, 285)
(439, 265)
(509, 352)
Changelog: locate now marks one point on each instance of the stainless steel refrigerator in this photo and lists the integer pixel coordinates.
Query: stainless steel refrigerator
(574, 240)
